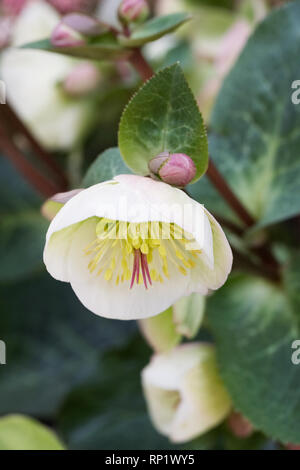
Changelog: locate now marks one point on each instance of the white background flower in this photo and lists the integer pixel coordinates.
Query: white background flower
(32, 77)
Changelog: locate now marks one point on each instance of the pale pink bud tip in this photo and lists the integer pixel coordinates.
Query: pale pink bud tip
(133, 11)
(64, 36)
(82, 79)
(66, 6)
(239, 425)
(176, 169)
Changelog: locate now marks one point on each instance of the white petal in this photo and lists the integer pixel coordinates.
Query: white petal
(139, 199)
(216, 277)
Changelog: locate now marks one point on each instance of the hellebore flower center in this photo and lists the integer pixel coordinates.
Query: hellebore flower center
(139, 252)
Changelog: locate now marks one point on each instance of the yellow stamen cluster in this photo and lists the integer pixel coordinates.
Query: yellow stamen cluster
(164, 244)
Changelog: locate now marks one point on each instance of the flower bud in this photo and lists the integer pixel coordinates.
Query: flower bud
(239, 425)
(64, 36)
(160, 331)
(176, 169)
(133, 11)
(82, 79)
(53, 205)
(184, 318)
(184, 393)
(66, 6)
(73, 28)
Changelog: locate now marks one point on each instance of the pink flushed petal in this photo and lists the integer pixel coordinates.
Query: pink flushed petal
(62, 198)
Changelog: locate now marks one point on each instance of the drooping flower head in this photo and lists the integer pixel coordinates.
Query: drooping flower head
(131, 247)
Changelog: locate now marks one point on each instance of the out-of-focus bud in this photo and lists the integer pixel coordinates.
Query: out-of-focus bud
(66, 6)
(184, 318)
(292, 446)
(6, 26)
(176, 169)
(12, 7)
(53, 205)
(83, 79)
(239, 425)
(184, 392)
(133, 11)
(160, 331)
(64, 36)
(74, 28)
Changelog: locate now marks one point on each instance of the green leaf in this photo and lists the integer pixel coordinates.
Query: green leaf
(256, 125)
(254, 324)
(155, 29)
(105, 167)
(52, 344)
(22, 433)
(163, 116)
(105, 47)
(110, 411)
(22, 238)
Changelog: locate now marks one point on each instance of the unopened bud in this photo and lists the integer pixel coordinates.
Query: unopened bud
(53, 205)
(74, 28)
(64, 36)
(66, 6)
(82, 79)
(239, 425)
(176, 169)
(135, 11)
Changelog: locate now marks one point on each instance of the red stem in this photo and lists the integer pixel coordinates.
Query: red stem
(17, 126)
(35, 178)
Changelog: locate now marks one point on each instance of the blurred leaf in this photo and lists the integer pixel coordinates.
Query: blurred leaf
(105, 167)
(188, 314)
(205, 193)
(22, 433)
(163, 116)
(155, 29)
(254, 324)
(15, 193)
(110, 412)
(105, 47)
(255, 123)
(22, 238)
(52, 344)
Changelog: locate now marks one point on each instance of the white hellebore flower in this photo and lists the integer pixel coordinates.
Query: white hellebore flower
(184, 393)
(32, 79)
(132, 246)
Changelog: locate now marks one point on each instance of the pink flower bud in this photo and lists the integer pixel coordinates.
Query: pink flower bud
(82, 79)
(239, 425)
(12, 7)
(84, 24)
(66, 6)
(176, 169)
(64, 36)
(73, 28)
(133, 11)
